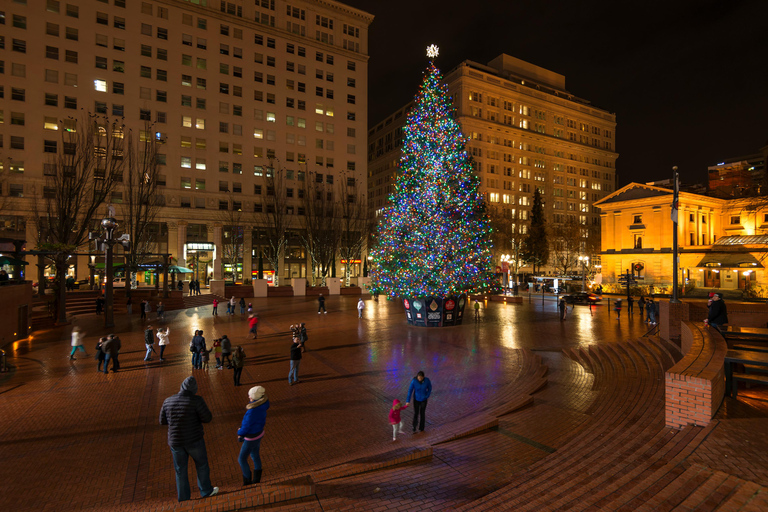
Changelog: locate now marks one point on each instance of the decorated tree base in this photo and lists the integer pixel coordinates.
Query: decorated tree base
(435, 311)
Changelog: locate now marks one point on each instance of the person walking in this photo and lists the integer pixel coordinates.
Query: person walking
(147, 309)
(160, 311)
(77, 342)
(253, 325)
(477, 310)
(149, 342)
(321, 304)
(420, 389)
(293, 373)
(395, 420)
(198, 344)
(99, 304)
(360, 307)
(100, 353)
(185, 413)
(111, 348)
(129, 306)
(617, 308)
(232, 305)
(206, 356)
(143, 310)
(238, 361)
(251, 432)
(630, 305)
(562, 308)
(163, 340)
(226, 351)
(215, 307)
(242, 305)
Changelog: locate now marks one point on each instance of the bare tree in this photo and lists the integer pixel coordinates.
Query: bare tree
(79, 177)
(353, 208)
(507, 237)
(141, 202)
(234, 226)
(275, 220)
(320, 236)
(566, 246)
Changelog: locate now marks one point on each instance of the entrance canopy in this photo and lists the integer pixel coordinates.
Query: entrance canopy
(7, 260)
(729, 260)
(179, 270)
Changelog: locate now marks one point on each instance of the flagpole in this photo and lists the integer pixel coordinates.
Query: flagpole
(675, 207)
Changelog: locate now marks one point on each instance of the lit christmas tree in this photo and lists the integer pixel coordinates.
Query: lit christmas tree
(433, 245)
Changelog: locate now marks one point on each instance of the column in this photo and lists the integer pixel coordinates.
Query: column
(217, 243)
(247, 253)
(181, 239)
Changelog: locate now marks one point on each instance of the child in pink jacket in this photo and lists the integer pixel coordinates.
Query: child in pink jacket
(394, 418)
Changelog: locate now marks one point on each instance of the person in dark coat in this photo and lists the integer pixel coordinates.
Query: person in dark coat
(226, 351)
(630, 305)
(149, 342)
(296, 349)
(718, 313)
(185, 413)
(562, 307)
(251, 432)
(111, 348)
(321, 304)
(99, 304)
(238, 361)
(100, 353)
(198, 343)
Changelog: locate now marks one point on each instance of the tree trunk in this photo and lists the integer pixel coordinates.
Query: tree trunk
(61, 271)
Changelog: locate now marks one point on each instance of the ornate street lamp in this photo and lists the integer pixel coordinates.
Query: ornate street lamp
(584, 263)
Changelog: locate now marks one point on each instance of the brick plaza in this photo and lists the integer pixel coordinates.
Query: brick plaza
(513, 422)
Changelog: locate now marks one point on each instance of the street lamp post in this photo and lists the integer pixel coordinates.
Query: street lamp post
(584, 262)
(106, 243)
(505, 261)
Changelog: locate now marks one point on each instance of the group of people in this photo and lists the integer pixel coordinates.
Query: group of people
(222, 351)
(232, 306)
(650, 306)
(163, 334)
(194, 286)
(186, 412)
(420, 390)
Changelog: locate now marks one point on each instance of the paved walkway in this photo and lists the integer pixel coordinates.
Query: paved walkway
(74, 439)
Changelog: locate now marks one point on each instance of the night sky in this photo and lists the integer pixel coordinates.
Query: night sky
(687, 80)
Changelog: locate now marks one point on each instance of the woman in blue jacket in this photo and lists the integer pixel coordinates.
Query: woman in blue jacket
(251, 432)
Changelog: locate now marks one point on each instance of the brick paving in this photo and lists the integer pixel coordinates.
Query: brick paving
(76, 439)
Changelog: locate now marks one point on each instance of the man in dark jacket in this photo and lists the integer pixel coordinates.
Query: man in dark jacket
(420, 389)
(185, 413)
(149, 342)
(198, 342)
(296, 349)
(111, 349)
(718, 313)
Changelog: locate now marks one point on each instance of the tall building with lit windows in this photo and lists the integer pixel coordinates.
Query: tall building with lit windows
(232, 88)
(526, 131)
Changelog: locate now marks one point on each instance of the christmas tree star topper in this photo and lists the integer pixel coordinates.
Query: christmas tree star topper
(432, 51)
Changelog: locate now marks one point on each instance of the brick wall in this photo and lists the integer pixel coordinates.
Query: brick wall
(695, 386)
(12, 298)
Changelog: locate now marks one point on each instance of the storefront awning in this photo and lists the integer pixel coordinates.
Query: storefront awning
(7, 260)
(729, 260)
(179, 270)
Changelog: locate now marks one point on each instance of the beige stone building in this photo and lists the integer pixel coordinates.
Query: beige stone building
(526, 132)
(722, 242)
(231, 87)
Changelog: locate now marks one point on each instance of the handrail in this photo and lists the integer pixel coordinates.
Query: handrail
(651, 331)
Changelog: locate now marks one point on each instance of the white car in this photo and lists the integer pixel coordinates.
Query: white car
(118, 282)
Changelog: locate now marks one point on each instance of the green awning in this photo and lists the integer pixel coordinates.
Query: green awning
(7, 260)
(179, 270)
(729, 260)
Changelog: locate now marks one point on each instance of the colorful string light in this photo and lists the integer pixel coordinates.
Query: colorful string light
(435, 238)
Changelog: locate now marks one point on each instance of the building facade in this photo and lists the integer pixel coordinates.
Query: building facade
(234, 90)
(722, 243)
(526, 132)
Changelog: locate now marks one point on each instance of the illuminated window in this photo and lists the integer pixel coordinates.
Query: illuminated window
(100, 85)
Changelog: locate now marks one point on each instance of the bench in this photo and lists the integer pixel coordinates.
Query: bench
(757, 378)
(752, 361)
(695, 386)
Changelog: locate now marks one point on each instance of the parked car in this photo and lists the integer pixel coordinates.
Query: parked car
(581, 298)
(118, 282)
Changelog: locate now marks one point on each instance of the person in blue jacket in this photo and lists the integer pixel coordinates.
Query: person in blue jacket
(251, 432)
(420, 388)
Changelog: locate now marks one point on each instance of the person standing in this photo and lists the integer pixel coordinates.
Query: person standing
(562, 308)
(143, 310)
(100, 353)
(641, 305)
(394, 418)
(360, 307)
(242, 305)
(321, 304)
(162, 336)
(232, 305)
(111, 348)
(77, 342)
(185, 413)
(215, 307)
(238, 361)
(129, 305)
(198, 343)
(630, 305)
(149, 342)
(293, 373)
(650, 310)
(99, 304)
(617, 308)
(147, 309)
(251, 432)
(303, 335)
(226, 351)
(253, 325)
(160, 311)
(477, 309)
(420, 389)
